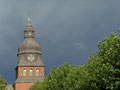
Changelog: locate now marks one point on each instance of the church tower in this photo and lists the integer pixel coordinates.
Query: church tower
(30, 67)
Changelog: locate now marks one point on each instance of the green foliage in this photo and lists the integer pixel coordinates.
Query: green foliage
(101, 73)
(3, 83)
(106, 63)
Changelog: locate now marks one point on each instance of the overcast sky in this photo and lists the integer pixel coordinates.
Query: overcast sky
(67, 30)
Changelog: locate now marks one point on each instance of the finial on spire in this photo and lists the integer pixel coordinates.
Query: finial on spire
(28, 16)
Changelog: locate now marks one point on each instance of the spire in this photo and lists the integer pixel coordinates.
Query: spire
(28, 31)
(28, 16)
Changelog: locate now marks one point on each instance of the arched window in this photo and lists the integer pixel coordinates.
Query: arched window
(37, 72)
(31, 72)
(24, 72)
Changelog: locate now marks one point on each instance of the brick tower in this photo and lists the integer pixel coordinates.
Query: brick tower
(30, 67)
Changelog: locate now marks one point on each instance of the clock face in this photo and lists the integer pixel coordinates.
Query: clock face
(31, 57)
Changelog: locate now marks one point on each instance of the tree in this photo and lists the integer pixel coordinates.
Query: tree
(3, 83)
(55, 79)
(101, 73)
(105, 63)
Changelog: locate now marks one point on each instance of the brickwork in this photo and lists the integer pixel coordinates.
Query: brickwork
(23, 86)
(20, 71)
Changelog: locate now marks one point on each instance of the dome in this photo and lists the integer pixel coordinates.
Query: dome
(29, 45)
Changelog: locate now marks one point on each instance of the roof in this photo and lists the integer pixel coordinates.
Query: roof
(23, 60)
(29, 45)
(30, 79)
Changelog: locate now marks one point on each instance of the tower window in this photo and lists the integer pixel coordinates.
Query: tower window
(31, 72)
(37, 72)
(24, 72)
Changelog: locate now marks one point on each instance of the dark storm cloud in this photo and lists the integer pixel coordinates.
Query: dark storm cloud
(67, 30)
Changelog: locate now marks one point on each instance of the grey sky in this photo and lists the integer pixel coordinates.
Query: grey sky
(67, 30)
